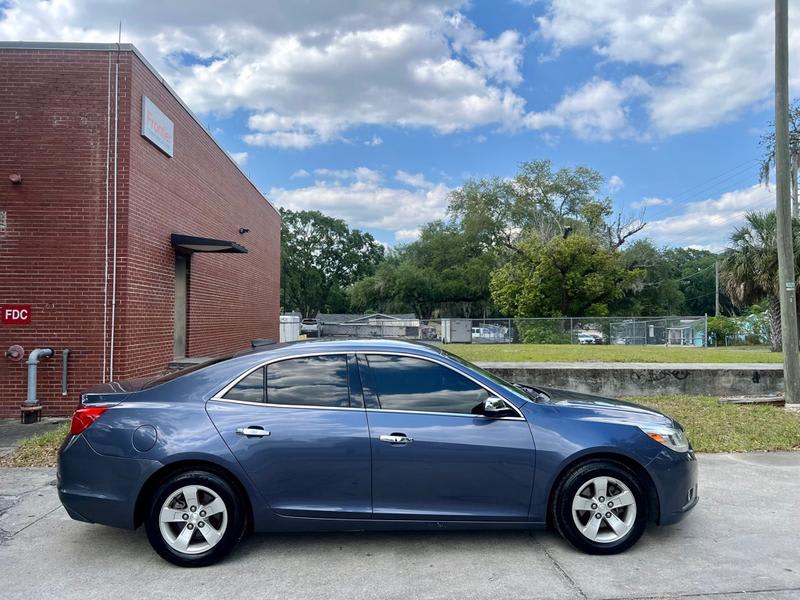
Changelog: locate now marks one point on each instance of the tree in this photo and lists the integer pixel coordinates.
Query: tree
(767, 143)
(320, 257)
(542, 203)
(659, 292)
(444, 272)
(572, 276)
(749, 268)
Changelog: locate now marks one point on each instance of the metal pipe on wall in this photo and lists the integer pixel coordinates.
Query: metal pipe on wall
(64, 361)
(114, 264)
(33, 361)
(105, 238)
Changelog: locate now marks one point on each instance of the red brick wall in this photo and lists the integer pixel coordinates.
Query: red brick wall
(53, 111)
(53, 115)
(233, 298)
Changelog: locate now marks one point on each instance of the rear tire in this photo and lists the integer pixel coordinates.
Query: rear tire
(194, 519)
(601, 507)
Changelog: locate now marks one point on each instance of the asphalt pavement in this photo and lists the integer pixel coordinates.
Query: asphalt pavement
(742, 541)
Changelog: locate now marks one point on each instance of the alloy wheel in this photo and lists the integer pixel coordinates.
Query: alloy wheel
(193, 519)
(604, 509)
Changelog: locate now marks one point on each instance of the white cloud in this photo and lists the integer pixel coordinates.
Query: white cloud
(711, 60)
(374, 141)
(361, 197)
(306, 72)
(709, 223)
(240, 158)
(406, 235)
(596, 111)
(615, 184)
(414, 180)
(299, 174)
(652, 201)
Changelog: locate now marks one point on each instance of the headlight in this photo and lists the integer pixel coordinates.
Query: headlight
(672, 437)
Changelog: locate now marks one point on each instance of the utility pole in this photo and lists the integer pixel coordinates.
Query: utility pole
(716, 288)
(791, 358)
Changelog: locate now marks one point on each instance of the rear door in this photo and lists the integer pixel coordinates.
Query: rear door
(298, 427)
(432, 458)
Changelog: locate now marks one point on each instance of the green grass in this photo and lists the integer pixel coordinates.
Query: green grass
(579, 353)
(39, 450)
(715, 427)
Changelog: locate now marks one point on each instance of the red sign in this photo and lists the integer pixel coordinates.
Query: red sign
(14, 314)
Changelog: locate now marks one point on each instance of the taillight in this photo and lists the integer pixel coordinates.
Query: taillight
(85, 416)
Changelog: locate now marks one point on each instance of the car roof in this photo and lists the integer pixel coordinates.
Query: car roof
(288, 349)
(222, 369)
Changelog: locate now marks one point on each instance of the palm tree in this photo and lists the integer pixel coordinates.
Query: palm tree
(767, 142)
(749, 268)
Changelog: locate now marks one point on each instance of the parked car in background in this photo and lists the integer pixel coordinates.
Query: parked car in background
(309, 327)
(366, 434)
(585, 337)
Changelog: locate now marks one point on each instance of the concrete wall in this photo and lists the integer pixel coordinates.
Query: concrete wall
(642, 379)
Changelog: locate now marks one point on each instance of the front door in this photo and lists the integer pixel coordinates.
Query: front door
(299, 430)
(432, 458)
(182, 262)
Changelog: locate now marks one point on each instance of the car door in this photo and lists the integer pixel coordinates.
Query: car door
(432, 458)
(298, 428)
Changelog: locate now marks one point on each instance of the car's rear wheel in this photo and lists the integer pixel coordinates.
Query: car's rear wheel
(194, 519)
(601, 507)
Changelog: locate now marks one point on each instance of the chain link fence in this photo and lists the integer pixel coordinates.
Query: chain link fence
(662, 331)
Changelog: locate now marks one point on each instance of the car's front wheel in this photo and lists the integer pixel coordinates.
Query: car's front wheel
(601, 507)
(194, 519)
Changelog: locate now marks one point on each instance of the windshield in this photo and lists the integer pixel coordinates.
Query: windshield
(509, 387)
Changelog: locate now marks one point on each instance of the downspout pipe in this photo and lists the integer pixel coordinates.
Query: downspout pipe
(33, 361)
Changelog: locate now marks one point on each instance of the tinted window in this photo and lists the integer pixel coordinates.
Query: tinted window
(404, 383)
(313, 380)
(249, 389)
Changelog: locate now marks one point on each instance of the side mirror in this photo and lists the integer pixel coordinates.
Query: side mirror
(497, 408)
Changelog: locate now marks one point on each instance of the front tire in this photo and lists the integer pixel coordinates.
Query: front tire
(601, 507)
(194, 519)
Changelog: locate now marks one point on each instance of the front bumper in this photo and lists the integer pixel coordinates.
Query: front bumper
(100, 489)
(675, 476)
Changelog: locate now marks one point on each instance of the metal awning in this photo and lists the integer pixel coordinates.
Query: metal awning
(191, 243)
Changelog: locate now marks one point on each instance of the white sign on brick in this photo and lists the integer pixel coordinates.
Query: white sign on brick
(157, 127)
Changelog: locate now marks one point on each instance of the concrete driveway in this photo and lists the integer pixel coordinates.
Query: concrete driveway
(742, 541)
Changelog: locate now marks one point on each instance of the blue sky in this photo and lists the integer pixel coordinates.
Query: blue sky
(373, 111)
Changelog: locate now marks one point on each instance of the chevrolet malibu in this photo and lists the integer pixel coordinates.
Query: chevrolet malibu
(366, 435)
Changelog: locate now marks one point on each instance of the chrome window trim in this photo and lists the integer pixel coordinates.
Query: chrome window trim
(266, 404)
(219, 396)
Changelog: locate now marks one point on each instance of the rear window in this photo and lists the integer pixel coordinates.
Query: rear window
(169, 376)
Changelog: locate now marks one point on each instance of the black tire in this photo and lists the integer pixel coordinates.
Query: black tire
(569, 487)
(234, 531)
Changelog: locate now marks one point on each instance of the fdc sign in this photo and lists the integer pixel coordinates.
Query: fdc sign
(14, 314)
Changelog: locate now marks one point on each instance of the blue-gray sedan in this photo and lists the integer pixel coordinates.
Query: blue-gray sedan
(357, 435)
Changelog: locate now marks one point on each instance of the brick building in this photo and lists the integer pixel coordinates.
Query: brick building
(132, 245)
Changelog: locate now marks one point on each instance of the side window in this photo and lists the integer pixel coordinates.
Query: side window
(249, 389)
(312, 380)
(405, 383)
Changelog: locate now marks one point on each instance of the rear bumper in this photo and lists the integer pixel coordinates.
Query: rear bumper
(675, 476)
(100, 489)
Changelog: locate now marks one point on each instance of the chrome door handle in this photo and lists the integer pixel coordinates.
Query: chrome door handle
(396, 438)
(252, 432)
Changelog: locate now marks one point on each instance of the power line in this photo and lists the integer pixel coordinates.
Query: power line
(702, 187)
